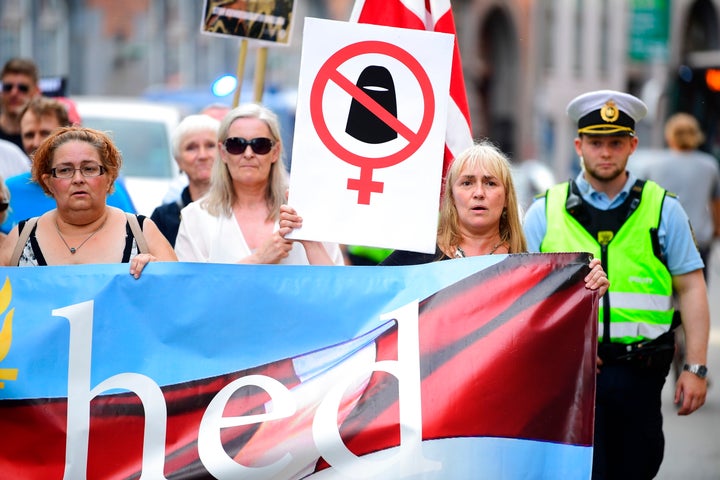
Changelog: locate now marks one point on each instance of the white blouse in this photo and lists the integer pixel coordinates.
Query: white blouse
(205, 238)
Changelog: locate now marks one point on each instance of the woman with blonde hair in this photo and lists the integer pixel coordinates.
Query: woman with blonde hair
(503, 232)
(479, 214)
(683, 133)
(242, 218)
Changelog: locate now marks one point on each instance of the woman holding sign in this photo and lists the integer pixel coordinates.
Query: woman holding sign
(242, 218)
(479, 214)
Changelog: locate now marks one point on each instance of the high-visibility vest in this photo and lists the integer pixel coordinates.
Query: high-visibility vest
(640, 293)
(373, 254)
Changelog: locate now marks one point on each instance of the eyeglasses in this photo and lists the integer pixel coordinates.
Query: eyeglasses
(259, 145)
(22, 87)
(4, 206)
(89, 170)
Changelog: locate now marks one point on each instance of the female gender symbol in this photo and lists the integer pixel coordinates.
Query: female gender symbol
(365, 185)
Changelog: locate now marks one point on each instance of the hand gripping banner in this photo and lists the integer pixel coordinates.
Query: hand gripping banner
(471, 368)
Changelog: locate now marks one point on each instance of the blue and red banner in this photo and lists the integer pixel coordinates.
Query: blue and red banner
(471, 368)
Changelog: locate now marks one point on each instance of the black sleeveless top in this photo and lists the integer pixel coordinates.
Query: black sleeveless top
(32, 255)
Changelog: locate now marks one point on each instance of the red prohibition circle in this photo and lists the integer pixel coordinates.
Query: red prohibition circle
(329, 72)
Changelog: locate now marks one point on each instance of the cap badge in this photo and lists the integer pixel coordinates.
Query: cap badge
(609, 112)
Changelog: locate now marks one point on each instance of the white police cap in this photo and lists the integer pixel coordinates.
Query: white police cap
(606, 112)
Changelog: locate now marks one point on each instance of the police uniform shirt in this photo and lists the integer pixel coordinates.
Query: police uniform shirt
(678, 245)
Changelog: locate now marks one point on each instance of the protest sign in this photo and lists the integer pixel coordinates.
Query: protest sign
(435, 16)
(370, 134)
(266, 22)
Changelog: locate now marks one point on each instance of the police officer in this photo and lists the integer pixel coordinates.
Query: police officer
(646, 244)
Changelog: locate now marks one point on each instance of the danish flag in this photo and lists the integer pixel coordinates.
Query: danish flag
(436, 16)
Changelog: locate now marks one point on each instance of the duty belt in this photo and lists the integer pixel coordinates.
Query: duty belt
(648, 353)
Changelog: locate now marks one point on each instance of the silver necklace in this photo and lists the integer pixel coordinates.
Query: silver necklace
(460, 253)
(73, 250)
(495, 247)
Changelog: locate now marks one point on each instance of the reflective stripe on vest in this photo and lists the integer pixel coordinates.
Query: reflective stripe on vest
(634, 330)
(641, 301)
(640, 294)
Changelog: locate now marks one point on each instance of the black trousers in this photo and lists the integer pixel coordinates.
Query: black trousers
(629, 441)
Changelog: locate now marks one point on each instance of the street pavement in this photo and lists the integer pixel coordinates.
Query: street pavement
(692, 443)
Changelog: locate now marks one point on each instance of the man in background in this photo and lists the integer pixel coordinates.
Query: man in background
(19, 78)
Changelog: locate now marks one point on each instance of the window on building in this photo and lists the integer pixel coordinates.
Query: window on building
(578, 36)
(547, 29)
(604, 39)
(12, 21)
(51, 38)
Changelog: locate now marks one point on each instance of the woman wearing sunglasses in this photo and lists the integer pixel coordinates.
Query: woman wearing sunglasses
(242, 218)
(77, 167)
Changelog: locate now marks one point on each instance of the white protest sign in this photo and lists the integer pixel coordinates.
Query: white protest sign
(370, 134)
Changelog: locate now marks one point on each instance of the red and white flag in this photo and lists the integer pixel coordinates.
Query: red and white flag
(436, 16)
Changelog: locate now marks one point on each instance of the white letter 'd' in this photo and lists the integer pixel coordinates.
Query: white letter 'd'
(408, 460)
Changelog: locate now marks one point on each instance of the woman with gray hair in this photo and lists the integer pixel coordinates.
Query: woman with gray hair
(195, 148)
(242, 218)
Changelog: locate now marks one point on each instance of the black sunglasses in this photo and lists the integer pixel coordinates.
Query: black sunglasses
(259, 145)
(23, 87)
(4, 206)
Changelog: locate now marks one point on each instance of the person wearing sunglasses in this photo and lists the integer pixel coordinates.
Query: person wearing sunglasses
(77, 166)
(19, 80)
(242, 218)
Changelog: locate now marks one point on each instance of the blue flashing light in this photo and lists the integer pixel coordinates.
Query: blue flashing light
(224, 85)
(685, 73)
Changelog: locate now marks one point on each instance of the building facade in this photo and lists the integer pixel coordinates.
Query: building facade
(525, 60)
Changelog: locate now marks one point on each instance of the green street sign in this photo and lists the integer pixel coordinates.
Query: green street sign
(649, 30)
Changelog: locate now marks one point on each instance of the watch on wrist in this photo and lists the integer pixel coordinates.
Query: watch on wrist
(697, 369)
